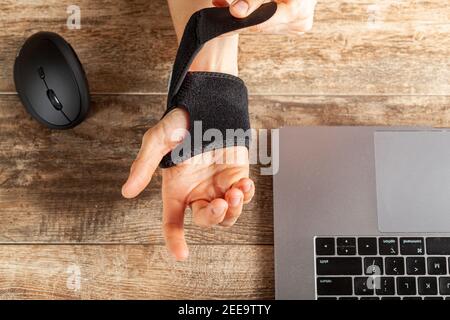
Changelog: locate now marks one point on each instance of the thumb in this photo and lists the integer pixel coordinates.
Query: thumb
(243, 8)
(156, 143)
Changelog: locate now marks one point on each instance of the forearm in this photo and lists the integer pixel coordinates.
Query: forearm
(218, 55)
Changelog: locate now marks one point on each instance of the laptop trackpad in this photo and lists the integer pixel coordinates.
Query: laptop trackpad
(413, 181)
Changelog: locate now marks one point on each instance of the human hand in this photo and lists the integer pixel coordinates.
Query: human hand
(292, 16)
(216, 190)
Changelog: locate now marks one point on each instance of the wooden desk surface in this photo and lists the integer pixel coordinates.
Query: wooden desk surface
(65, 230)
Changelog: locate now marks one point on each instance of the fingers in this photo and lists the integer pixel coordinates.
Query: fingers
(208, 214)
(221, 3)
(235, 199)
(173, 219)
(243, 8)
(247, 186)
(143, 167)
(156, 142)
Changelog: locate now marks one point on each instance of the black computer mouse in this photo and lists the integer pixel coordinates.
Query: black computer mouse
(51, 82)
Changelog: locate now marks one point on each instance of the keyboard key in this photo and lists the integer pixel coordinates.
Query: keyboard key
(363, 286)
(339, 266)
(395, 266)
(415, 266)
(406, 286)
(325, 246)
(390, 298)
(385, 286)
(444, 286)
(346, 251)
(388, 246)
(427, 285)
(412, 246)
(327, 298)
(433, 298)
(367, 246)
(373, 266)
(346, 246)
(329, 286)
(346, 242)
(412, 298)
(369, 298)
(437, 266)
(438, 246)
(348, 298)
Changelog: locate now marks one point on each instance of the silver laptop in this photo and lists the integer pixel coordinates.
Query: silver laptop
(362, 213)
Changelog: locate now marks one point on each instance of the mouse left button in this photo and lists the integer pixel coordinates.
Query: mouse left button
(33, 93)
(31, 75)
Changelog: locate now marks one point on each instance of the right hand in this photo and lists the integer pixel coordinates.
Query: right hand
(214, 188)
(292, 16)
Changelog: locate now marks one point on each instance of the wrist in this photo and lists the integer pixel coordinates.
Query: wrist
(218, 55)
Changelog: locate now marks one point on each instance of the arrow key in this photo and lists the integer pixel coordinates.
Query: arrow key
(444, 286)
(395, 266)
(415, 265)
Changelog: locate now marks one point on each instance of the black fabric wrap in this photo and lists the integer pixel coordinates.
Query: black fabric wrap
(218, 100)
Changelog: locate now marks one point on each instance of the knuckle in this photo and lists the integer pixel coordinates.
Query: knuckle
(201, 221)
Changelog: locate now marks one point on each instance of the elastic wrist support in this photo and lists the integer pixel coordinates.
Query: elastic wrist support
(218, 101)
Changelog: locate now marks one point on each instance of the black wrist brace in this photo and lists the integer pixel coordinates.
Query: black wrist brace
(218, 100)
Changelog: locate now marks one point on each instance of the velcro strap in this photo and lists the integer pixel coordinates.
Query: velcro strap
(218, 100)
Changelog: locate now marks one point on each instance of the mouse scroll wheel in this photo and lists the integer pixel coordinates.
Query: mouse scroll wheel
(41, 73)
(54, 99)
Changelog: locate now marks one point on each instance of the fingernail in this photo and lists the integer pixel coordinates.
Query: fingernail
(235, 201)
(241, 6)
(125, 189)
(227, 223)
(247, 187)
(218, 210)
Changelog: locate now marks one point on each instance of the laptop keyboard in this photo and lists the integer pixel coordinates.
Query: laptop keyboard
(386, 268)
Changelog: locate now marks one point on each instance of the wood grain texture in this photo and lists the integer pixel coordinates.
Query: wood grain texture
(280, 111)
(65, 186)
(356, 47)
(135, 272)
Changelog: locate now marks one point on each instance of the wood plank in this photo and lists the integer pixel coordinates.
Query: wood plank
(386, 110)
(356, 47)
(135, 272)
(64, 186)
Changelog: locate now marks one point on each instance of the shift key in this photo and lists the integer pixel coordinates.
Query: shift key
(329, 286)
(335, 266)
